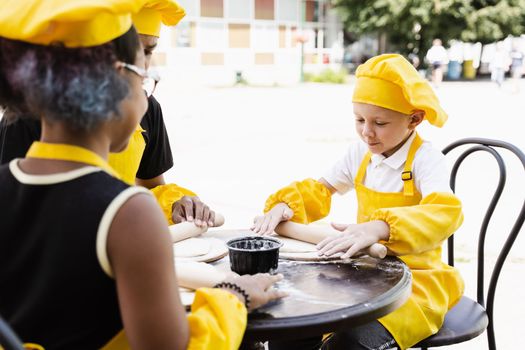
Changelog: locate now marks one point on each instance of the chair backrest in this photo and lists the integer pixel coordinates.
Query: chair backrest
(490, 146)
(8, 339)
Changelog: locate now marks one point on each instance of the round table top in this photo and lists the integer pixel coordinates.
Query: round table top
(328, 296)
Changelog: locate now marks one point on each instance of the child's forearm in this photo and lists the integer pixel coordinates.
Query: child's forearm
(317, 233)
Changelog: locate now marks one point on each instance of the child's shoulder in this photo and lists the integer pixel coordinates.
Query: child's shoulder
(428, 148)
(428, 153)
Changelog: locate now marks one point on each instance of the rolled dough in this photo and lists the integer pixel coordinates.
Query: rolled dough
(192, 247)
(218, 250)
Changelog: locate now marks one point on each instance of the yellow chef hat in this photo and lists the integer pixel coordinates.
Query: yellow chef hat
(74, 23)
(148, 20)
(390, 81)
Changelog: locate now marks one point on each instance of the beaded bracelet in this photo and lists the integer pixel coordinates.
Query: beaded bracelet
(236, 288)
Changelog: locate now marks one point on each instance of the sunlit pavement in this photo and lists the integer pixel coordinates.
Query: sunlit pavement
(236, 145)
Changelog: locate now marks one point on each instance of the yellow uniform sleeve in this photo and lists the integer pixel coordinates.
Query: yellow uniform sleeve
(419, 228)
(309, 199)
(167, 195)
(217, 320)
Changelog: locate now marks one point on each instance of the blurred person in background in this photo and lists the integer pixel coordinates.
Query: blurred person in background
(516, 65)
(499, 65)
(437, 57)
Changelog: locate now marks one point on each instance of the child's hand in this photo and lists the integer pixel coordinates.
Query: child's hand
(265, 224)
(354, 238)
(191, 208)
(258, 287)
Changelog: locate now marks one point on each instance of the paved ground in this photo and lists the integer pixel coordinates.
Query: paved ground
(235, 145)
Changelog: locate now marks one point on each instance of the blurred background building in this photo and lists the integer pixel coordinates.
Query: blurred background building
(258, 41)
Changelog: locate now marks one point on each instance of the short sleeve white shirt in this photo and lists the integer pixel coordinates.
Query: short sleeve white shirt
(429, 169)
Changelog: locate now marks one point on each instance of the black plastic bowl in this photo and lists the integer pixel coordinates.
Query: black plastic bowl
(253, 254)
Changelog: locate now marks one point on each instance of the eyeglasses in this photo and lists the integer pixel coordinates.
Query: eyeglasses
(150, 79)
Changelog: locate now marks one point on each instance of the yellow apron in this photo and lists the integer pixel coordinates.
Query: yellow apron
(123, 165)
(435, 285)
(70, 153)
(127, 162)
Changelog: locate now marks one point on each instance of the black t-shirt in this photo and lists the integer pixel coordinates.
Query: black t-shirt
(17, 137)
(157, 157)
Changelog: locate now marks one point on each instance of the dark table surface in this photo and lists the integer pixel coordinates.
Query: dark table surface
(329, 296)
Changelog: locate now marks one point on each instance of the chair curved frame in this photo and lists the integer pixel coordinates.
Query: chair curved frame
(488, 145)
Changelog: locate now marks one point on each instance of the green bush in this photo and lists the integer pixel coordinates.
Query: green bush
(327, 76)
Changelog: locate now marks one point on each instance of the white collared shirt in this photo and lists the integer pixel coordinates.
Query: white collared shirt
(429, 169)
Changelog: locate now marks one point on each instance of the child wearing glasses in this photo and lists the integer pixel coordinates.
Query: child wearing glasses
(86, 261)
(404, 202)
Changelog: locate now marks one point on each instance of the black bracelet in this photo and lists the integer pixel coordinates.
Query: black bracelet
(237, 289)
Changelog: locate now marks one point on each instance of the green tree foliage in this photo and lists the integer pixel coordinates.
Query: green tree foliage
(410, 25)
(492, 20)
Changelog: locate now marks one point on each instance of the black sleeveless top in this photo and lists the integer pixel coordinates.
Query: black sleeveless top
(53, 291)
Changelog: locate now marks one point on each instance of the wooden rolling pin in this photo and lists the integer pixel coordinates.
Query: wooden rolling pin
(195, 275)
(315, 234)
(188, 229)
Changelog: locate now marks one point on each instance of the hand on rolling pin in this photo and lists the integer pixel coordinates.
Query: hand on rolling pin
(265, 224)
(190, 229)
(191, 208)
(356, 238)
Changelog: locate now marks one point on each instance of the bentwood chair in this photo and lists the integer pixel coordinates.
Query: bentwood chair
(470, 318)
(8, 339)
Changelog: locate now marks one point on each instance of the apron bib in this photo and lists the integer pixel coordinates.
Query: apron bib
(127, 162)
(413, 321)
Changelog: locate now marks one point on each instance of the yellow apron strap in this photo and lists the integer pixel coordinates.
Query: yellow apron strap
(70, 153)
(406, 175)
(362, 168)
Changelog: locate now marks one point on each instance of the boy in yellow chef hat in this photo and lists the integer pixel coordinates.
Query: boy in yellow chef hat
(148, 155)
(404, 201)
(94, 256)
